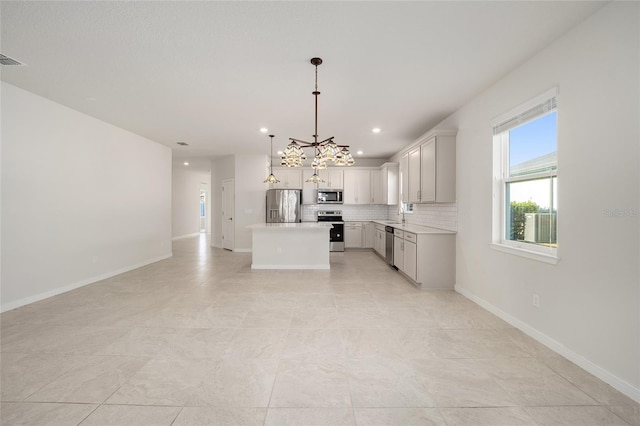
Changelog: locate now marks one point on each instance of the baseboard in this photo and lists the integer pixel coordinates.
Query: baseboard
(41, 296)
(621, 385)
(242, 250)
(324, 267)
(185, 236)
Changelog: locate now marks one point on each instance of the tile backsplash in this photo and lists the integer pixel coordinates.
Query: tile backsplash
(443, 216)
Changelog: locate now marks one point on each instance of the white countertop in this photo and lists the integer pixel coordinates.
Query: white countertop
(291, 226)
(416, 229)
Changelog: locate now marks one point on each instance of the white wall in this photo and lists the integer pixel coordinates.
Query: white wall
(590, 301)
(250, 198)
(186, 184)
(81, 199)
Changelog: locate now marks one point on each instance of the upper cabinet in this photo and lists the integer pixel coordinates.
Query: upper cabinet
(357, 186)
(389, 183)
(290, 178)
(332, 178)
(377, 193)
(432, 169)
(413, 186)
(404, 178)
(371, 185)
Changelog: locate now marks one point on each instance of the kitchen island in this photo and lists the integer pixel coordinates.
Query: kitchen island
(290, 245)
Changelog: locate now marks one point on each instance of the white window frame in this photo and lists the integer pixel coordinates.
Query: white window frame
(501, 179)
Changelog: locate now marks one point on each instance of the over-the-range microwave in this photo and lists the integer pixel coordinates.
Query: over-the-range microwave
(330, 196)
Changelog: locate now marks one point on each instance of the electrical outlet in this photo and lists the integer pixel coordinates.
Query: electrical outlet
(536, 300)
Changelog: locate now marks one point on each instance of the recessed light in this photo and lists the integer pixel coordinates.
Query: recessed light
(376, 130)
(279, 152)
(186, 163)
(182, 143)
(264, 129)
(359, 152)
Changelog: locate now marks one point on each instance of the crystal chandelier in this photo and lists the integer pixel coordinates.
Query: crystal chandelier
(324, 151)
(271, 178)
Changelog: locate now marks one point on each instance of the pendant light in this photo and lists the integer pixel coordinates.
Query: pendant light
(271, 178)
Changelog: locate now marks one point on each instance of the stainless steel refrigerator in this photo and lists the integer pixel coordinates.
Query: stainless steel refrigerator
(284, 205)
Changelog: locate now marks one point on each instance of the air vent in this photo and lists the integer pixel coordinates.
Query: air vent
(5, 60)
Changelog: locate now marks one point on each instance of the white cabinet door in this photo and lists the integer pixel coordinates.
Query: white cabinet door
(353, 235)
(414, 176)
(410, 259)
(357, 186)
(364, 187)
(289, 178)
(389, 183)
(332, 178)
(368, 234)
(309, 190)
(446, 169)
(431, 170)
(428, 171)
(335, 177)
(398, 252)
(380, 243)
(350, 191)
(377, 189)
(404, 178)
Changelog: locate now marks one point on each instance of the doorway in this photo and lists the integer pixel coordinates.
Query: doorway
(203, 211)
(227, 214)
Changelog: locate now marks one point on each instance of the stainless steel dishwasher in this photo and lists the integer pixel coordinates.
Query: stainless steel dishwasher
(389, 245)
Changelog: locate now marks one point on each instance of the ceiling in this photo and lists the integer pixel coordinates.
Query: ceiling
(213, 73)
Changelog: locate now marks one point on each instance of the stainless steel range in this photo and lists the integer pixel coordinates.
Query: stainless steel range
(336, 234)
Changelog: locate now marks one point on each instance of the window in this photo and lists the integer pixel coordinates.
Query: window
(526, 179)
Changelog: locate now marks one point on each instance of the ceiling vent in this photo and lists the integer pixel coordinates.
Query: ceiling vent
(5, 60)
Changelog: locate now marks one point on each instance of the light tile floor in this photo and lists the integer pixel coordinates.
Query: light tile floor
(202, 339)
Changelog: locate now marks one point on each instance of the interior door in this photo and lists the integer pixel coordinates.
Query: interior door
(227, 214)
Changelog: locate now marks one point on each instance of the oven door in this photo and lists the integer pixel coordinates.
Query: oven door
(336, 237)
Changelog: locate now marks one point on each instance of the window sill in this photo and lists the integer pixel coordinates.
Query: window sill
(529, 254)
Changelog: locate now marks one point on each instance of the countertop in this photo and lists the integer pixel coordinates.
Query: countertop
(416, 229)
(291, 226)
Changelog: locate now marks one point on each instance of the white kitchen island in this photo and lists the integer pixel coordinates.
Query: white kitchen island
(290, 245)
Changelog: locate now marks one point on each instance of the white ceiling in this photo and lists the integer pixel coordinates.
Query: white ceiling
(213, 73)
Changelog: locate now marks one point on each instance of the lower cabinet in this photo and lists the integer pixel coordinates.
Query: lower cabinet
(410, 260)
(368, 234)
(405, 253)
(398, 251)
(353, 235)
(427, 259)
(380, 243)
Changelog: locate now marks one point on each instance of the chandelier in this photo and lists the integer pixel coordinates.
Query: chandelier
(271, 178)
(324, 151)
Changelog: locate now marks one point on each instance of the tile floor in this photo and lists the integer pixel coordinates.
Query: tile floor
(202, 339)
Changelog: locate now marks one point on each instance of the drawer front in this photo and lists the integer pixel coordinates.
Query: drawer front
(398, 233)
(380, 227)
(410, 237)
